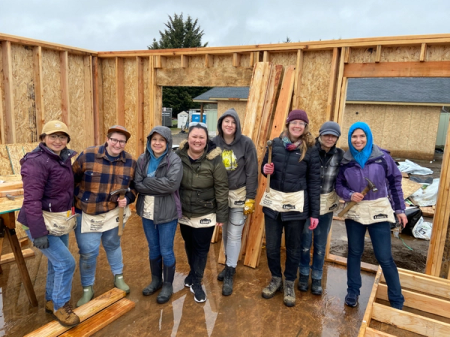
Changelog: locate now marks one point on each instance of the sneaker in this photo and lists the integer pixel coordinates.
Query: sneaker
(221, 275)
(49, 307)
(316, 287)
(120, 283)
(289, 294)
(66, 316)
(189, 280)
(88, 294)
(199, 294)
(303, 283)
(351, 300)
(274, 285)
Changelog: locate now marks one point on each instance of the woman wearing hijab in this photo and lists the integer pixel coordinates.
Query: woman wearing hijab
(373, 212)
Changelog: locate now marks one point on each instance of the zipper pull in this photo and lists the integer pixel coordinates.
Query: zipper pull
(50, 207)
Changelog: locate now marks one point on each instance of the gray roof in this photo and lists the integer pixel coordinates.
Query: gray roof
(400, 89)
(224, 92)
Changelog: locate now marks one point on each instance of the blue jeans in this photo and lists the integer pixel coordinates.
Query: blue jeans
(89, 246)
(160, 240)
(60, 269)
(292, 236)
(380, 234)
(320, 243)
(232, 235)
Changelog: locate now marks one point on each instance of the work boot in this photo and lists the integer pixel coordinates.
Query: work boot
(316, 287)
(221, 275)
(88, 294)
(66, 316)
(289, 293)
(303, 283)
(49, 307)
(120, 283)
(189, 280)
(227, 288)
(197, 290)
(156, 284)
(276, 283)
(167, 289)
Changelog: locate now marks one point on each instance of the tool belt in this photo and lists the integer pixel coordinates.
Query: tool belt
(368, 212)
(103, 222)
(58, 223)
(203, 221)
(149, 207)
(328, 202)
(283, 202)
(236, 198)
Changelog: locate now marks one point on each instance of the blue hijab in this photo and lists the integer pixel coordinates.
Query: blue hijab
(154, 162)
(362, 156)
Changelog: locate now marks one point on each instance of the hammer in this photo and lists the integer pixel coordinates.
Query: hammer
(370, 187)
(121, 192)
(269, 145)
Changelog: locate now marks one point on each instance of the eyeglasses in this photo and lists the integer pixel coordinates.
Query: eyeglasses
(295, 123)
(198, 124)
(60, 137)
(115, 141)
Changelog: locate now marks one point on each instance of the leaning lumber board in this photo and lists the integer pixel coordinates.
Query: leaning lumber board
(102, 319)
(419, 301)
(371, 268)
(13, 185)
(84, 312)
(376, 333)
(16, 153)
(7, 258)
(18, 191)
(254, 242)
(411, 322)
(368, 314)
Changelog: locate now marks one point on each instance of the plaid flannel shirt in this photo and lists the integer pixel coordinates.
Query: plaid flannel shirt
(329, 167)
(96, 177)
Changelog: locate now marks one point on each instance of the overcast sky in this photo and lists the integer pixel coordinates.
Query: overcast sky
(103, 25)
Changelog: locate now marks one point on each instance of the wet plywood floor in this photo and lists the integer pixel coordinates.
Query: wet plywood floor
(244, 313)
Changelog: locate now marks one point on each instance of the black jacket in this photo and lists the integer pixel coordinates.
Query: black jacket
(290, 175)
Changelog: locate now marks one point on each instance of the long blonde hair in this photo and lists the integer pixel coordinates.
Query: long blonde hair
(306, 137)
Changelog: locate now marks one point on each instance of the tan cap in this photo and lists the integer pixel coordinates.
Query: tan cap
(120, 129)
(55, 126)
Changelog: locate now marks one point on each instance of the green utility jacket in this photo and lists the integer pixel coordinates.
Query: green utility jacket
(204, 187)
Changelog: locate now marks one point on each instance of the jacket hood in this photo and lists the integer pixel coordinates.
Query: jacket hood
(212, 150)
(230, 112)
(163, 131)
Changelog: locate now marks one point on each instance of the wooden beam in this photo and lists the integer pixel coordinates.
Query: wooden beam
(347, 52)
(140, 104)
(38, 90)
(155, 95)
(9, 128)
(88, 102)
(100, 320)
(209, 60)
(371, 268)
(8, 258)
(65, 101)
(376, 333)
(419, 301)
(378, 54)
(101, 113)
(84, 312)
(266, 57)
(368, 313)
(120, 92)
(236, 60)
(253, 59)
(423, 52)
(95, 100)
(160, 61)
(332, 86)
(398, 69)
(204, 77)
(410, 322)
(340, 76)
(298, 80)
(184, 61)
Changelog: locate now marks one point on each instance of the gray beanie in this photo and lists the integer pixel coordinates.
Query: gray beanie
(330, 128)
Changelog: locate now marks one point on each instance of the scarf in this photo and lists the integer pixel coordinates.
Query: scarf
(362, 156)
(288, 145)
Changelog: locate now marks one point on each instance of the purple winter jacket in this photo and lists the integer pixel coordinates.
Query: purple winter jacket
(47, 184)
(380, 169)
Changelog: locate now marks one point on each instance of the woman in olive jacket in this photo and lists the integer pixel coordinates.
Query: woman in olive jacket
(204, 200)
(157, 179)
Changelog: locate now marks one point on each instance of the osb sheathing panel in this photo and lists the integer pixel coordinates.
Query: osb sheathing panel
(438, 53)
(223, 61)
(16, 153)
(28, 147)
(78, 124)
(173, 62)
(24, 101)
(130, 96)
(285, 59)
(5, 164)
(240, 107)
(197, 61)
(2, 89)
(315, 86)
(51, 78)
(245, 60)
(394, 127)
(362, 55)
(109, 94)
(400, 54)
(146, 70)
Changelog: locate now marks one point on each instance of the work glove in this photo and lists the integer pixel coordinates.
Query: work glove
(42, 242)
(249, 206)
(314, 222)
(269, 168)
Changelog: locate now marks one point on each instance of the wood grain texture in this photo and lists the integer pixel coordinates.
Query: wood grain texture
(65, 96)
(368, 313)
(9, 128)
(398, 69)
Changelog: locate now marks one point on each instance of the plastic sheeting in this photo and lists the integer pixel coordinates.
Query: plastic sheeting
(408, 166)
(428, 196)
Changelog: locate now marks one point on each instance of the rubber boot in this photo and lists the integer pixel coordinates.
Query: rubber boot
(66, 316)
(289, 293)
(227, 288)
(167, 289)
(120, 283)
(316, 287)
(303, 283)
(221, 275)
(88, 294)
(156, 284)
(276, 284)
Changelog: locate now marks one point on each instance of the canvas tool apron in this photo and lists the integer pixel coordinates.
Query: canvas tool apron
(283, 202)
(103, 222)
(57, 223)
(203, 221)
(236, 198)
(149, 207)
(368, 212)
(328, 202)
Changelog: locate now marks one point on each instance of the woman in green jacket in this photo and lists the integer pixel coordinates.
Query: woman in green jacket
(204, 201)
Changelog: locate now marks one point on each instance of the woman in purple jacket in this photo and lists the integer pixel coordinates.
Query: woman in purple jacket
(364, 160)
(46, 214)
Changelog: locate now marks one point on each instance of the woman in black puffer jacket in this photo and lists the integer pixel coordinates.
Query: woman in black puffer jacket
(293, 198)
